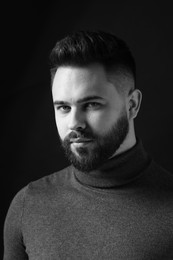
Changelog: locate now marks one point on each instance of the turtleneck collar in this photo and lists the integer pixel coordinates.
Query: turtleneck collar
(117, 171)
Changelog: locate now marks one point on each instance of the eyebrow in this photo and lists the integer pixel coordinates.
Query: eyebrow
(82, 100)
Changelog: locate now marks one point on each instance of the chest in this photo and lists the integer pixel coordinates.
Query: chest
(97, 229)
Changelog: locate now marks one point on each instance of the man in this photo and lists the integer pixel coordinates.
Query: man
(113, 201)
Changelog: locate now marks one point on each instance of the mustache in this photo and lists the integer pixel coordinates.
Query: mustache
(80, 134)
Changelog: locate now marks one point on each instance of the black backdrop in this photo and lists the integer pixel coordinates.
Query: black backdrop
(30, 145)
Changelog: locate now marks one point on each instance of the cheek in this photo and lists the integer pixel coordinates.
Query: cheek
(61, 127)
(102, 122)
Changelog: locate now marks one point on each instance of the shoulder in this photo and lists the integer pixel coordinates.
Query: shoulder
(49, 183)
(163, 174)
(14, 214)
(159, 178)
(28, 205)
(39, 188)
(39, 191)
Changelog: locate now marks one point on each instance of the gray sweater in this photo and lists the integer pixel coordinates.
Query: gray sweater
(122, 211)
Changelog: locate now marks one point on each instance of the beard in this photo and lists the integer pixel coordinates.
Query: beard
(89, 158)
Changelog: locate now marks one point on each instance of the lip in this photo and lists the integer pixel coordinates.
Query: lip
(80, 140)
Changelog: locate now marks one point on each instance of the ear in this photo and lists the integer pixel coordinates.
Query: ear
(134, 102)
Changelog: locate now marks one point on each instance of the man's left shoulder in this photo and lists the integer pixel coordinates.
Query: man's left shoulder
(161, 176)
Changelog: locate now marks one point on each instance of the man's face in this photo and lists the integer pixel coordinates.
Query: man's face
(90, 115)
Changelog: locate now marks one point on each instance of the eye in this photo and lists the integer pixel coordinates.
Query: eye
(93, 105)
(63, 108)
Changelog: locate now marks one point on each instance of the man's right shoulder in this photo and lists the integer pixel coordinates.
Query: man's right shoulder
(32, 201)
(52, 181)
(45, 186)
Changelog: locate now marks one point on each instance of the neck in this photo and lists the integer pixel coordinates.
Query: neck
(117, 171)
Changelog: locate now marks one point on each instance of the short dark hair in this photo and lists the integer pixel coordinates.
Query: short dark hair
(83, 48)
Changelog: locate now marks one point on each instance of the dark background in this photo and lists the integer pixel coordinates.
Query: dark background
(30, 145)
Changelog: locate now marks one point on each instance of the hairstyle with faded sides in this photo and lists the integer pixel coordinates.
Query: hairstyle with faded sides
(83, 48)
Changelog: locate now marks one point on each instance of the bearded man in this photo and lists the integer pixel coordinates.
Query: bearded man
(113, 201)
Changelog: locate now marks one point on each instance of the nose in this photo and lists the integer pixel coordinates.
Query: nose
(76, 120)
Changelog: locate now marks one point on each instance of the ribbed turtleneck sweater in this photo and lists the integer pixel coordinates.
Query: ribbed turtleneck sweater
(121, 211)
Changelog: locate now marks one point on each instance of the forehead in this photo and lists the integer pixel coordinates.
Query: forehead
(73, 83)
